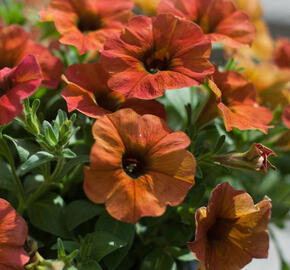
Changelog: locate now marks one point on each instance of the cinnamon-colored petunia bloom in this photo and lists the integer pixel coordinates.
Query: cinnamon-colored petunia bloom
(87, 24)
(13, 233)
(282, 53)
(138, 165)
(87, 92)
(155, 54)
(255, 159)
(234, 97)
(231, 230)
(17, 84)
(15, 44)
(219, 19)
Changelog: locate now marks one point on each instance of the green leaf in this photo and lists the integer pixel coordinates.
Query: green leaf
(158, 260)
(91, 265)
(220, 143)
(47, 215)
(67, 153)
(69, 246)
(35, 161)
(24, 147)
(80, 211)
(32, 182)
(99, 244)
(184, 254)
(50, 135)
(80, 159)
(6, 180)
(198, 173)
(124, 231)
(196, 194)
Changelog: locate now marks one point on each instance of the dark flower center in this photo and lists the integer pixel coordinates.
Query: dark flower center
(6, 83)
(155, 62)
(109, 101)
(220, 230)
(134, 165)
(89, 22)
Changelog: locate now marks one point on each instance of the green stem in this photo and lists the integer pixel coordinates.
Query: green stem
(20, 191)
(46, 185)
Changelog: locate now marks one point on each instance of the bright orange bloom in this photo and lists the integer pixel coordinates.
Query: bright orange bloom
(87, 92)
(13, 233)
(15, 44)
(231, 230)
(282, 53)
(138, 165)
(155, 54)
(286, 116)
(234, 97)
(219, 19)
(17, 84)
(87, 24)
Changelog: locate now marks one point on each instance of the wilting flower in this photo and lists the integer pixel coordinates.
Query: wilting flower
(147, 7)
(138, 165)
(286, 116)
(282, 53)
(234, 97)
(13, 232)
(15, 44)
(87, 92)
(219, 19)
(255, 159)
(231, 230)
(155, 54)
(87, 24)
(17, 84)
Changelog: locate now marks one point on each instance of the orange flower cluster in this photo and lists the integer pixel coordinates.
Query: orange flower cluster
(138, 164)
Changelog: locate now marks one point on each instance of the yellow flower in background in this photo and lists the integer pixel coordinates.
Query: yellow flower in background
(147, 7)
(252, 7)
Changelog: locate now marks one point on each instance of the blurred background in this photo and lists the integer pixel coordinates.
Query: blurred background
(277, 15)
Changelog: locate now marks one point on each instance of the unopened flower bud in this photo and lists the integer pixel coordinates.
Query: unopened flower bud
(255, 159)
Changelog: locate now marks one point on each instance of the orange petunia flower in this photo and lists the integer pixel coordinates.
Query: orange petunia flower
(87, 24)
(234, 97)
(15, 44)
(231, 230)
(87, 92)
(13, 233)
(282, 53)
(138, 165)
(155, 54)
(219, 19)
(17, 84)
